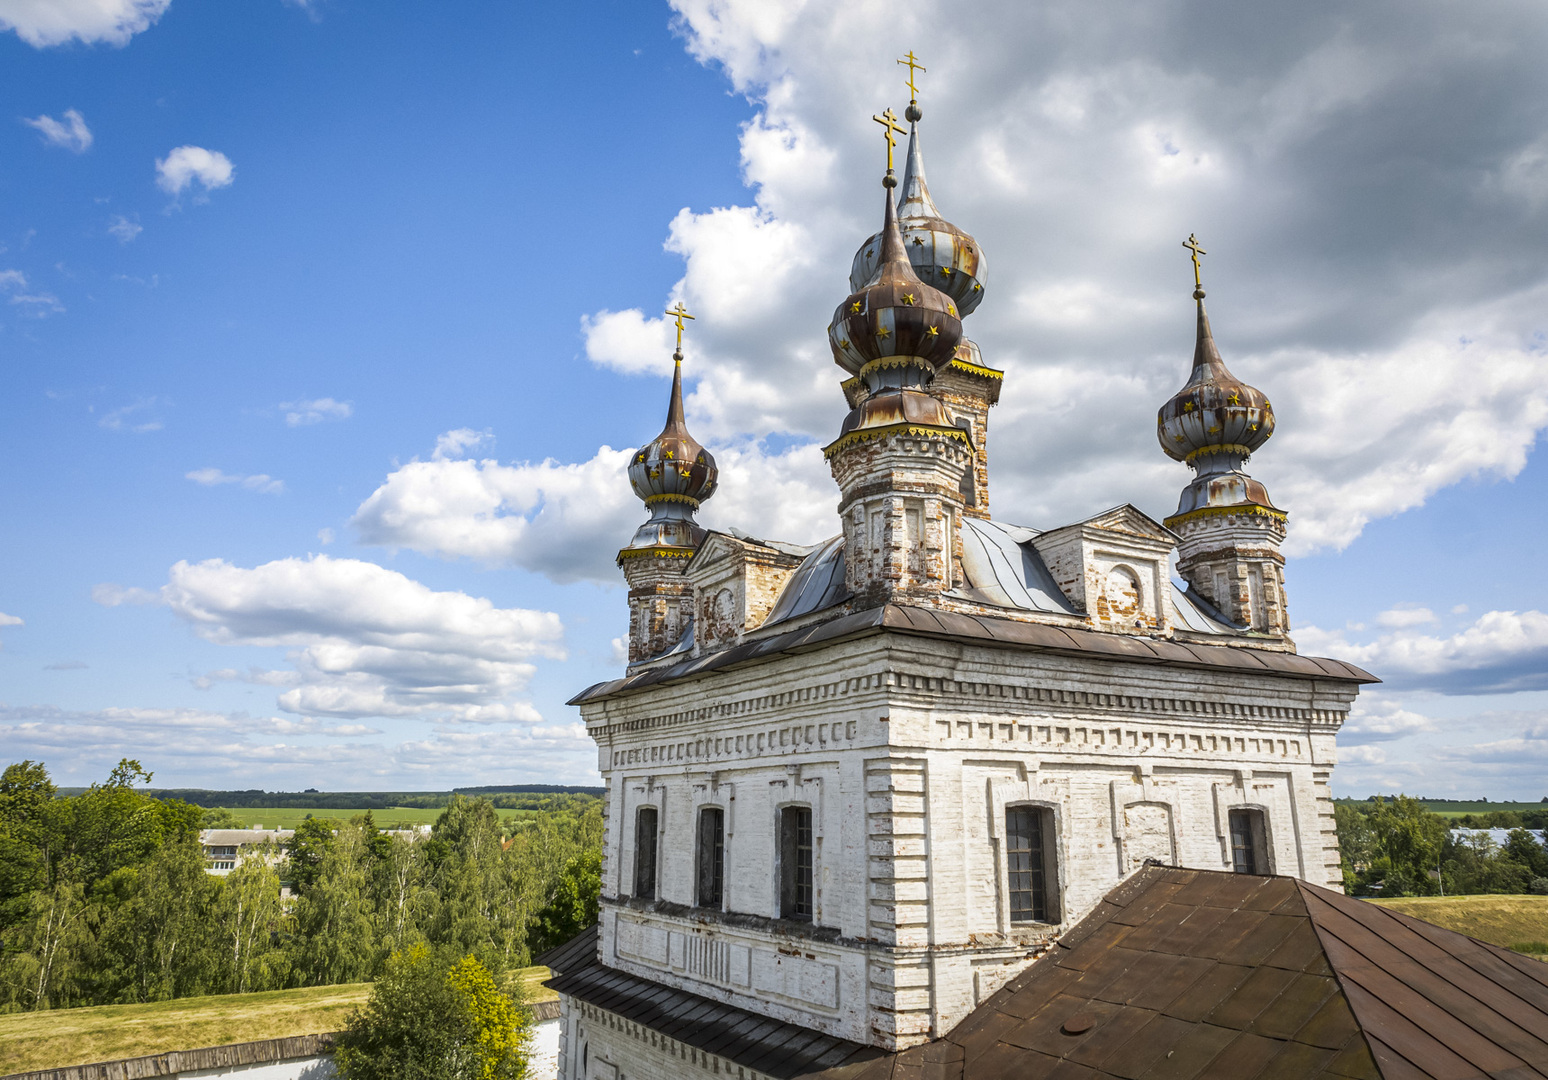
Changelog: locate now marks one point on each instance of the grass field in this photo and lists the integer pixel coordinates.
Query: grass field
(398, 817)
(60, 1037)
(1516, 922)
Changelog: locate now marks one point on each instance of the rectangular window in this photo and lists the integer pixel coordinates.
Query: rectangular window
(1025, 865)
(712, 856)
(645, 853)
(1249, 853)
(795, 863)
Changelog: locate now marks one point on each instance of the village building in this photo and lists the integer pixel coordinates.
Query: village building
(859, 793)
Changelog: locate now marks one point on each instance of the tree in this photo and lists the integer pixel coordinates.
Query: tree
(429, 1018)
(472, 874)
(247, 912)
(305, 850)
(1407, 840)
(575, 903)
(335, 939)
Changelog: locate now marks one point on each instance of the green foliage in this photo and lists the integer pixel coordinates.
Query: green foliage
(1396, 848)
(432, 1018)
(105, 897)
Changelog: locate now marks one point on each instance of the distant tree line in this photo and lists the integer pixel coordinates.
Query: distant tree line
(104, 896)
(548, 797)
(1395, 847)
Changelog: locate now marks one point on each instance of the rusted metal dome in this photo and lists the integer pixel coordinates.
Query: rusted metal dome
(894, 320)
(941, 254)
(673, 467)
(1215, 414)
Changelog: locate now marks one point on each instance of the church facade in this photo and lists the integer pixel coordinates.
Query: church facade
(855, 788)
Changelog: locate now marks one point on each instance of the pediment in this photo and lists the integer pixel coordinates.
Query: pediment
(1133, 521)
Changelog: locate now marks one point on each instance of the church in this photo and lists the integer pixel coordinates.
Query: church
(914, 801)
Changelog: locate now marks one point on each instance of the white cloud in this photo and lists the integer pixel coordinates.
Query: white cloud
(41, 23)
(39, 304)
(305, 412)
(9, 620)
(1378, 719)
(261, 482)
(110, 595)
(458, 443)
(1501, 652)
(367, 641)
(1399, 364)
(1361, 755)
(207, 748)
(186, 166)
(124, 417)
(71, 133)
(567, 521)
(1400, 617)
(325, 536)
(123, 229)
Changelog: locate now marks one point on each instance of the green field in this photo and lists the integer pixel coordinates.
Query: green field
(397, 817)
(60, 1037)
(1515, 922)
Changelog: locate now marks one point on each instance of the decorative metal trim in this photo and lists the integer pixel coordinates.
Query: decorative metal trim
(1215, 511)
(1220, 448)
(896, 361)
(666, 497)
(656, 553)
(867, 434)
(975, 369)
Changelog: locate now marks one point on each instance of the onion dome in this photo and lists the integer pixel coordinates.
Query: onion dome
(895, 321)
(942, 254)
(1215, 423)
(672, 474)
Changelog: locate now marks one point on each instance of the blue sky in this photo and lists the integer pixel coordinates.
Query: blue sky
(323, 327)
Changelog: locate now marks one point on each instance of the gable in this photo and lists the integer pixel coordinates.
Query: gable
(1129, 519)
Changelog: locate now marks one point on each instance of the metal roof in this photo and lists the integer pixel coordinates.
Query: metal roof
(1004, 569)
(817, 583)
(771, 1047)
(1184, 974)
(987, 630)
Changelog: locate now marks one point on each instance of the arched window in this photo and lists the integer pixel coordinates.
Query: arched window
(795, 863)
(1029, 864)
(711, 857)
(1249, 842)
(645, 853)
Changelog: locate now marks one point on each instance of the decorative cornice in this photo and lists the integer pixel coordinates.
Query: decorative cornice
(976, 369)
(669, 497)
(656, 553)
(867, 434)
(1220, 448)
(1242, 509)
(896, 362)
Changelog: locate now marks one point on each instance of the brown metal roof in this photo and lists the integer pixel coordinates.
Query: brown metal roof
(1194, 974)
(988, 630)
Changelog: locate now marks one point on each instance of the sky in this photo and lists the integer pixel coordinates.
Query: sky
(326, 328)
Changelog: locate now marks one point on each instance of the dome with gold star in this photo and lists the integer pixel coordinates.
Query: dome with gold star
(1215, 413)
(941, 254)
(894, 320)
(673, 467)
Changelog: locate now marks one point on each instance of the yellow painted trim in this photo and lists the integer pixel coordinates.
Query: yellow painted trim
(975, 369)
(670, 497)
(867, 434)
(656, 553)
(1220, 448)
(1215, 511)
(896, 361)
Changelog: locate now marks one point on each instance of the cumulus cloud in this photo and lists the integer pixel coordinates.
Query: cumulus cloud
(71, 133)
(1392, 314)
(567, 521)
(458, 443)
(42, 23)
(366, 641)
(187, 166)
(1501, 652)
(315, 410)
(261, 482)
(124, 230)
(13, 284)
(208, 748)
(1375, 719)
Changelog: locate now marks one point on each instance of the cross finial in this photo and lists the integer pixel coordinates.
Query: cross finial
(679, 313)
(890, 127)
(913, 62)
(1192, 244)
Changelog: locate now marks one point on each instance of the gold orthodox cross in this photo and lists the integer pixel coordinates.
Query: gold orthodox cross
(1192, 245)
(913, 62)
(889, 123)
(680, 313)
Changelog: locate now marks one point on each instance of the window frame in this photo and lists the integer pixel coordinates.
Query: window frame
(1045, 874)
(790, 865)
(716, 853)
(1257, 832)
(650, 851)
